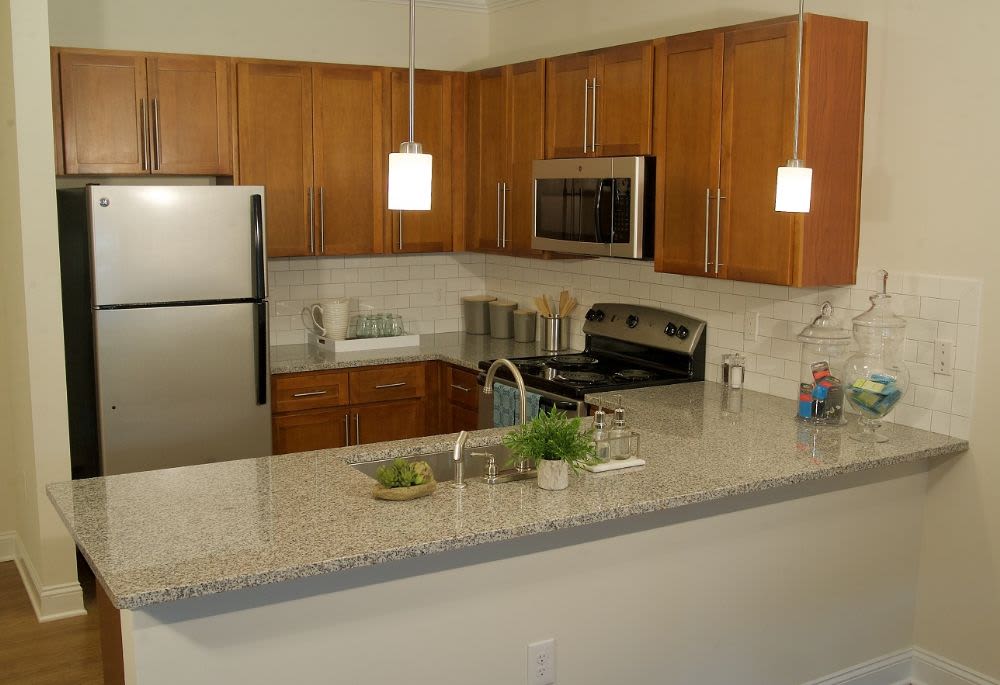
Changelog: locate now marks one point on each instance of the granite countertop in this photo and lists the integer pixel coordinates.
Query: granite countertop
(461, 349)
(166, 535)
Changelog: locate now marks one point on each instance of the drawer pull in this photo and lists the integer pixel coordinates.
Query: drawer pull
(314, 393)
(389, 385)
(460, 387)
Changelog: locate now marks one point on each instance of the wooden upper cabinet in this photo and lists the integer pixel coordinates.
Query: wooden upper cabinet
(720, 145)
(105, 112)
(526, 135)
(190, 114)
(137, 113)
(425, 231)
(349, 159)
(487, 157)
(275, 148)
(599, 103)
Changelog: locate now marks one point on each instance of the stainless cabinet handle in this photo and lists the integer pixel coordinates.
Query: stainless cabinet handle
(461, 387)
(503, 213)
(322, 222)
(357, 429)
(313, 393)
(498, 213)
(156, 134)
(718, 222)
(586, 94)
(143, 134)
(347, 431)
(389, 385)
(593, 119)
(708, 211)
(312, 233)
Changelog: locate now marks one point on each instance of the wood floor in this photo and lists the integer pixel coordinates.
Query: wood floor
(57, 653)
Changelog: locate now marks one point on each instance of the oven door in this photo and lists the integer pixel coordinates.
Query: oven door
(567, 405)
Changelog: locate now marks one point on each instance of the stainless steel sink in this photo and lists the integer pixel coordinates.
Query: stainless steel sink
(441, 464)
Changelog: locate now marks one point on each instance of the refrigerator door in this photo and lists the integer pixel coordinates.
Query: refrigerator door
(174, 243)
(181, 385)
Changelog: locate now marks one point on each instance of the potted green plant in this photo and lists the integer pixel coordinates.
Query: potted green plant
(404, 480)
(552, 444)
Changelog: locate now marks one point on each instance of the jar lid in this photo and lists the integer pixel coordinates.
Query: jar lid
(824, 328)
(478, 298)
(525, 312)
(504, 303)
(880, 314)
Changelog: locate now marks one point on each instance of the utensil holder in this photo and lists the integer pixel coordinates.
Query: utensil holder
(555, 333)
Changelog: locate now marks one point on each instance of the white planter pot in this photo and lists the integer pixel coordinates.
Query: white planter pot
(553, 475)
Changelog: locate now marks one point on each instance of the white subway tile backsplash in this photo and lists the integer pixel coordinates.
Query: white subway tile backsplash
(938, 309)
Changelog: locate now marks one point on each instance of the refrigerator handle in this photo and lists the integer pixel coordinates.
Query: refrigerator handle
(260, 328)
(257, 229)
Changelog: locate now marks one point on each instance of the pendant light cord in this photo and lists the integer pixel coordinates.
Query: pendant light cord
(798, 83)
(413, 20)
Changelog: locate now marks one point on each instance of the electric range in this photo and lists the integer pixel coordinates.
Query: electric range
(627, 347)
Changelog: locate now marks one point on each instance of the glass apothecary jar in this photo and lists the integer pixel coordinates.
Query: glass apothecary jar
(821, 391)
(877, 377)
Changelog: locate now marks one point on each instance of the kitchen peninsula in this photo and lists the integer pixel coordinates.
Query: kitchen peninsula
(704, 566)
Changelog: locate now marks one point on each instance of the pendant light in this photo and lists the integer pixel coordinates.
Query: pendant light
(794, 189)
(410, 169)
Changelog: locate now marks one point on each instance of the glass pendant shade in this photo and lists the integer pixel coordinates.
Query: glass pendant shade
(410, 179)
(794, 190)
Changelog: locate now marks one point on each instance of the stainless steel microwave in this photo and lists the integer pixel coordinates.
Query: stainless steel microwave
(595, 206)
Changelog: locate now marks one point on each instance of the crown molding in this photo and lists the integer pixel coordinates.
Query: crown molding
(474, 6)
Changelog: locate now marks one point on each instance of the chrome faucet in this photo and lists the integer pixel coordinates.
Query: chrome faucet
(522, 402)
(458, 461)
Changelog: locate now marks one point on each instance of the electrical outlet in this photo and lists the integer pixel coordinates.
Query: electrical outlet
(751, 326)
(944, 357)
(542, 663)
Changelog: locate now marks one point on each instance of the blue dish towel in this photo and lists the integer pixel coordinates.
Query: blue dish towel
(505, 405)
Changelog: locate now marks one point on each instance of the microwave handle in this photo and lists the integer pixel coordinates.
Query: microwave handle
(601, 237)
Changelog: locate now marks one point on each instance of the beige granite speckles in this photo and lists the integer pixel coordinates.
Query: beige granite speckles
(166, 535)
(461, 349)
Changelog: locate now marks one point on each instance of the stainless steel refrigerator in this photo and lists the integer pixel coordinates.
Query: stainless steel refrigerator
(165, 325)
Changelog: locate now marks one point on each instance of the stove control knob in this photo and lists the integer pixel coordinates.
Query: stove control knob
(598, 315)
(632, 321)
(591, 314)
(671, 329)
(682, 332)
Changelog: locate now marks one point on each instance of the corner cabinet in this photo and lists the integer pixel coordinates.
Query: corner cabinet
(599, 103)
(505, 135)
(139, 113)
(439, 127)
(724, 123)
(312, 136)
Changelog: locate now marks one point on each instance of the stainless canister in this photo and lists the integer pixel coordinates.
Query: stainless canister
(475, 308)
(524, 325)
(502, 319)
(555, 333)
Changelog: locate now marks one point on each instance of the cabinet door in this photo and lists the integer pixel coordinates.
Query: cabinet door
(275, 145)
(487, 112)
(758, 244)
(190, 116)
(388, 421)
(105, 113)
(526, 133)
(429, 231)
(350, 160)
(687, 128)
(568, 107)
(458, 418)
(312, 430)
(624, 96)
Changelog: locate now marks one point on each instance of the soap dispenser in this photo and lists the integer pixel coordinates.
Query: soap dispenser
(601, 437)
(619, 435)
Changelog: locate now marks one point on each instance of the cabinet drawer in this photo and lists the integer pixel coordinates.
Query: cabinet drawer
(299, 391)
(460, 387)
(383, 383)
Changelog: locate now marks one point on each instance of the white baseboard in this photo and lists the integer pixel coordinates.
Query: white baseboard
(7, 545)
(911, 666)
(50, 602)
(931, 669)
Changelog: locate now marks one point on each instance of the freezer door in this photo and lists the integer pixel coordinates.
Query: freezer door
(180, 386)
(173, 243)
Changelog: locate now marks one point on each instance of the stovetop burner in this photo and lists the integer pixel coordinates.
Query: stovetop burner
(633, 375)
(571, 361)
(529, 364)
(582, 377)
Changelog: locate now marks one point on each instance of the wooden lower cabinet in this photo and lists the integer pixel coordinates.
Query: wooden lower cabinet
(309, 430)
(459, 399)
(389, 421)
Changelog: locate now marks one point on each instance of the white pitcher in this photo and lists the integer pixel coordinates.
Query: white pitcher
(329, 318)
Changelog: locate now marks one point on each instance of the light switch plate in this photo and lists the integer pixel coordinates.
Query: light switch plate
(944, 357)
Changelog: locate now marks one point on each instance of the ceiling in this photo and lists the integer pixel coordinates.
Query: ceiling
(479, 6)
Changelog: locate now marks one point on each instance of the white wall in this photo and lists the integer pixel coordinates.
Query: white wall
(347, 31)
(31, 341)
(780, 593)
(929, 170)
